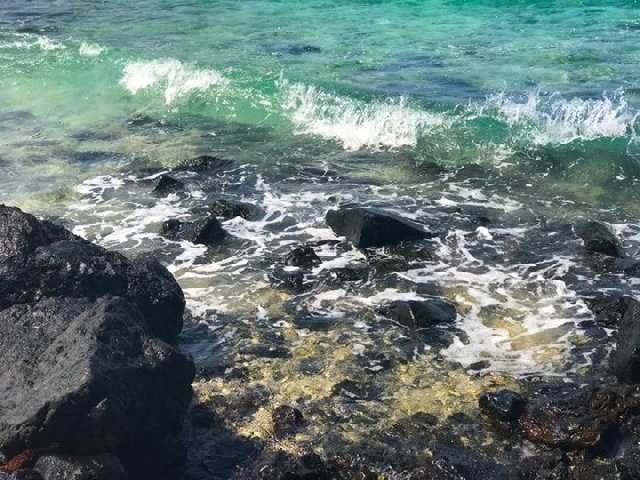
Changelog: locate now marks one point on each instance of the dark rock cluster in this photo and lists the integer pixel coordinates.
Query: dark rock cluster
(92, 387)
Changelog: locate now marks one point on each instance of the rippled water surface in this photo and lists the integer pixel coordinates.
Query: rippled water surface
(496, 124)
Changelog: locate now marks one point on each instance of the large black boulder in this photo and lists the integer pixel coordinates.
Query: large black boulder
(39, 259)
(88, 376)
(21, 234)
(625, 361)
(598, 238)
(368, 227)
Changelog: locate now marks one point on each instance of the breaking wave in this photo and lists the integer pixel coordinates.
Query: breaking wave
(175, 78)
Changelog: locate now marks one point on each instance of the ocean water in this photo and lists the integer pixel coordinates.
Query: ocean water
(497, 124)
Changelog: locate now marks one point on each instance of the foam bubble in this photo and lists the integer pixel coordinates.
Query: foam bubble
(381, 124)
(177, 79)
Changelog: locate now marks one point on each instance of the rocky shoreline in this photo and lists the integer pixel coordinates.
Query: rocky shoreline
(95, 387)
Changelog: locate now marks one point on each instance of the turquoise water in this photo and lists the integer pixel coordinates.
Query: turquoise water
(530, 108)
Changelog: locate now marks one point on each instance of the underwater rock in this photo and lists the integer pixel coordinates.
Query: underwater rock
(94, 467)
(264, 351)
(88, 377)
(203, 163)
(286, 419)
(503, 404)
(168, 184)
(39, 259)
(598, 238)
(280, 465)
(201, 232)
(368, 227)
(289, 280)
(469, 171)
(227, 210)
(303, 257)
(625, 361)
(351, 273)
(384, 265)
(416, 314)
(352, 390)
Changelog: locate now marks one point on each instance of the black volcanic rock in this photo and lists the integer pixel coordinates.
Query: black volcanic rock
(88, 377)
(598, 238)
(94, 467)
(367, 227)
(207, 231)
(228, 210)
(286, 419)
(609, 309)
(304, 257)
(416, 314)
(504, 404)
(168, 184)
(39, 259)
(625, 361)
(203, 163)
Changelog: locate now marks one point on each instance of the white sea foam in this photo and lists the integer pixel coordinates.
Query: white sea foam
(559, 120)
(28, 41)
(90, 49)
(175, 78)
(381, 124)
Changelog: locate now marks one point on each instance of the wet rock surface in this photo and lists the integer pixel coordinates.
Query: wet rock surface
(625, 361)
(96, 467)
(85, 369)
(206, 231)
(227, 210)
(366, 227)
(415, 314)
(168, 184)
(43, 260)
(599, 238)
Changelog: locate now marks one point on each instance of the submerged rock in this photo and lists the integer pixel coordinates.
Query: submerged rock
(88, 377)
(417, 314)
(202, 163)
(168, 184)
(304, 257)
(367, 227)
(202, 232)
(625, 361)
(286, 419)
(504, 405)
(598, 238)
(227, 210)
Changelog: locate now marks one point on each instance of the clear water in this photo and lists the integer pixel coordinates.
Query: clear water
(323, 102)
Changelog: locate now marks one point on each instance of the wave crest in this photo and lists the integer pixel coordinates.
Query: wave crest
(558, 120)
(176, 78)
(381, 124)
